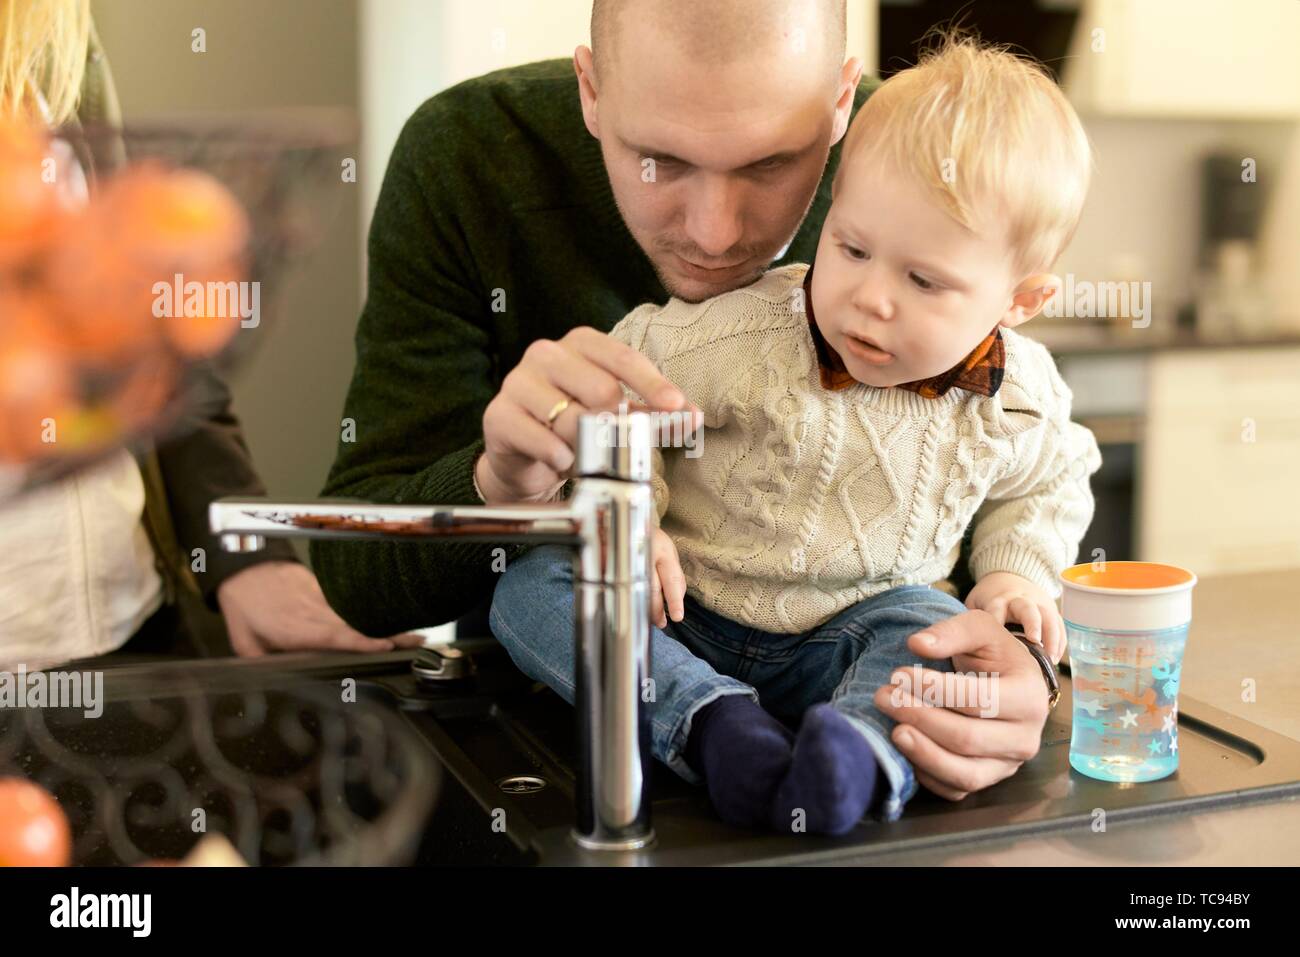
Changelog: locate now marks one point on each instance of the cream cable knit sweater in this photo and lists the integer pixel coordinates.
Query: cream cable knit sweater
(804, 501)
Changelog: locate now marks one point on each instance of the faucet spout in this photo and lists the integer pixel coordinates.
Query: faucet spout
(244, 523)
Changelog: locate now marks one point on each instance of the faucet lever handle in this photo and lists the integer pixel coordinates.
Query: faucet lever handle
(614, 445)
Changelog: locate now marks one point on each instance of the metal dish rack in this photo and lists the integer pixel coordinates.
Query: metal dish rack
(289, 776)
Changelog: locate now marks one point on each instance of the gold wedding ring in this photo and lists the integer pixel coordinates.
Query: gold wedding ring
(554, 414)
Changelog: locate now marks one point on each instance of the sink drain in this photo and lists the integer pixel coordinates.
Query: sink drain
(522, 784)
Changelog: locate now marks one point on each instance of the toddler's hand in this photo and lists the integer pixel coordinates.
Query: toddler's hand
(667, 583)
(1009, 597)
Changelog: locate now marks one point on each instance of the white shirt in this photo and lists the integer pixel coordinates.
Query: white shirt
(77, 573)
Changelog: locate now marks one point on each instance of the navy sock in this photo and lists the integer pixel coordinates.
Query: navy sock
(832, 776)
(743, 753)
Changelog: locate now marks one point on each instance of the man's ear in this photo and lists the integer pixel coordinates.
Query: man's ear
(850, 76)
(1029, 298)
(584, 65)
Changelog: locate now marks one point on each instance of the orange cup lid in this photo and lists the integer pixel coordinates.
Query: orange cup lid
(1128, 576)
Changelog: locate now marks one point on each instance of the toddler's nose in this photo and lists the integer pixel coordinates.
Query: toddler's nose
(873, 295)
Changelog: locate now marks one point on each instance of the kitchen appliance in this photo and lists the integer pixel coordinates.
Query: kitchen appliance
(1230, 299)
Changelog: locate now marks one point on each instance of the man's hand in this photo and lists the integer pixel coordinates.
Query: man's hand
(668, 583)
(955, 751)
(527, 461)
(278, 606)
(1009, 597)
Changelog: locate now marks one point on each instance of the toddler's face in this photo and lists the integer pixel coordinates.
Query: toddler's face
(901, 290)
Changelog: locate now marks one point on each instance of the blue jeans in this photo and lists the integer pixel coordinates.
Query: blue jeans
(704, 656)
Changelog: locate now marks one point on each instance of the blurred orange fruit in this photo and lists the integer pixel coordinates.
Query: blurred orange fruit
(37, 384)
(89, 430)
(104, 294)
(206, 310)
(29, 198)
(153, 232)
(175, 220)
(34, 831)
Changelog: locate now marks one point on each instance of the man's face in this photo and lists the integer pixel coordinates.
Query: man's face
(714, 167)
(901, 290)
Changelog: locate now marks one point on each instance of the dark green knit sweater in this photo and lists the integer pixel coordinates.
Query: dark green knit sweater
(494, 184)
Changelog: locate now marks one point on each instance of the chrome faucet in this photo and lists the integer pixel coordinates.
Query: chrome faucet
(608, 520)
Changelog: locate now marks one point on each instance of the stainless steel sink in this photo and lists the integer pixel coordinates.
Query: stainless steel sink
(508, 747)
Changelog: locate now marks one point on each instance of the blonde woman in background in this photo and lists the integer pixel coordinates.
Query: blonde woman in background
(100, 561)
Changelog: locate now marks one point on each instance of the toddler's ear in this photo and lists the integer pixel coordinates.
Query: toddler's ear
(1030, 297)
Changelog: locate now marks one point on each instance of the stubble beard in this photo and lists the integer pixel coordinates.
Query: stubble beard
(671, 286)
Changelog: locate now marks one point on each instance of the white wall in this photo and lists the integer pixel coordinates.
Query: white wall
(1142, 219)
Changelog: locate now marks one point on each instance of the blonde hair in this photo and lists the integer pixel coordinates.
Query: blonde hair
(991, 135)
(43, 47)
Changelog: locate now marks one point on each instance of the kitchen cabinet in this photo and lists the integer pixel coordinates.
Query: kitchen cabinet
(1186, 58)
(1200, 449)
(1217, 489)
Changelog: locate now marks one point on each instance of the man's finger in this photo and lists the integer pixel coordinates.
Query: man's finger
(242, 639)
(957, 772)
(628, 365)
(345, 639)
(945, 792)
(975, 634)
(407, 640)
(567, 369)
(529, 438)
(329, 633)
(958, 734)
(539, 397)
(1013, 697)
(968, 694)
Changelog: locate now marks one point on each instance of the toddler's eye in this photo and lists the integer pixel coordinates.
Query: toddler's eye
(853, 252)
(923, 283)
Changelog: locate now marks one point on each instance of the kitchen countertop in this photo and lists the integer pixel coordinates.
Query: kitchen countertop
(1243, 627)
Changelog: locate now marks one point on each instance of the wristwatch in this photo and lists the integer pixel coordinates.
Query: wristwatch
(1044, 663)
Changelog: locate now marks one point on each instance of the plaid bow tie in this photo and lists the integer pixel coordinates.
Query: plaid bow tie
(981, 371)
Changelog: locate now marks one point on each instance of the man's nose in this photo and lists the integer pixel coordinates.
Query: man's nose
(713, 219)
(874, 293)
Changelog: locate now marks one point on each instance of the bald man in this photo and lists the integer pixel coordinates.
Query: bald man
(522, 215)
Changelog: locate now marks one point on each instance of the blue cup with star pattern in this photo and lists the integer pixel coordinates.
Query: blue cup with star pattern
(1126, 624)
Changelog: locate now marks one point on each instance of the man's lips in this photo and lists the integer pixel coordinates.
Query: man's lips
(709, 274)
(866, 350)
